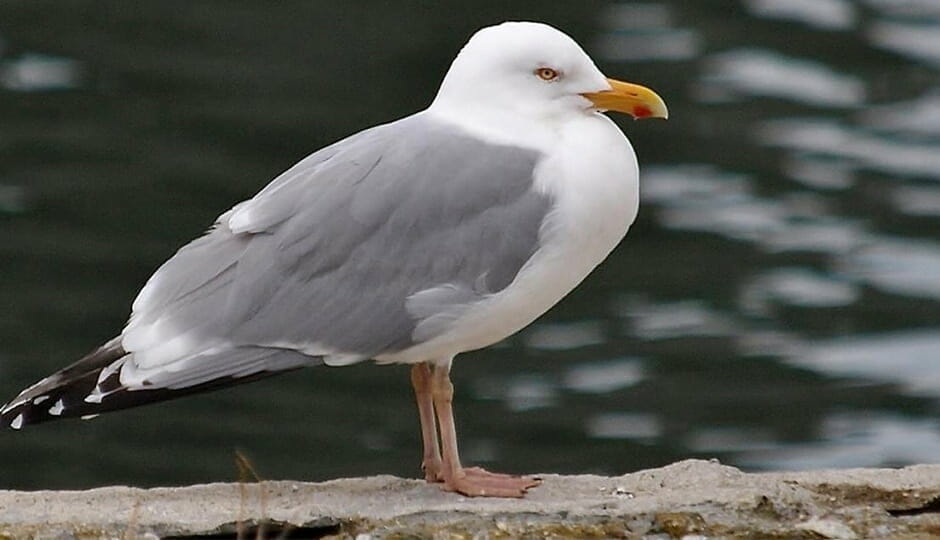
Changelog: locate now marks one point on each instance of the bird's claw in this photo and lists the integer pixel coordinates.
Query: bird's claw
(478, 482)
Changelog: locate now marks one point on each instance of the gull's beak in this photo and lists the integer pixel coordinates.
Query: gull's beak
(633, 99)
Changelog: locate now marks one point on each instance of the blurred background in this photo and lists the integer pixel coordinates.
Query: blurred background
(776, 305)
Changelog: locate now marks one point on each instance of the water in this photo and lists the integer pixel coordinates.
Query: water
(777, 304)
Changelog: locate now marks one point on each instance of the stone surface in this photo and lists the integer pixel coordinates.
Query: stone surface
(691, 499)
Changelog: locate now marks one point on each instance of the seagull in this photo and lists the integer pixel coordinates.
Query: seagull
(408, 243)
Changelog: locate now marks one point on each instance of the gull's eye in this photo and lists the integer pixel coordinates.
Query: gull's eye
(546, 74)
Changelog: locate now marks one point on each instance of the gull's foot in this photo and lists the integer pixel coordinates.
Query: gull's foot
(433, 470)
(477, 482)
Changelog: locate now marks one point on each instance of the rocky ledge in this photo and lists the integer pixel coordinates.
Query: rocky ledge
(690, 499)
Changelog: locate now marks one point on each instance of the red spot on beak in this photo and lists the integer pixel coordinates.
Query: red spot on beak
(642, 111)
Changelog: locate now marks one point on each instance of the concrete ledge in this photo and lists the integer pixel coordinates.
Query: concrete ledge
(690, 498)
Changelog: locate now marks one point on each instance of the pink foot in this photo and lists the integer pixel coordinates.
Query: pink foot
(477, 482)
(433, 470)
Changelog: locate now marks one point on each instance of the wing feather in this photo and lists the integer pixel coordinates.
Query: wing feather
(366, 247)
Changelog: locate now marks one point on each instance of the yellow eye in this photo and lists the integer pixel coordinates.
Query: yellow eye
(546, 74)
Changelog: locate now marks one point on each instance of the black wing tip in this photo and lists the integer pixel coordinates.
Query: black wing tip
(57, 402)
(63, 393)
(92, 386)
(20, 415)
(72, 400)
(13, 419)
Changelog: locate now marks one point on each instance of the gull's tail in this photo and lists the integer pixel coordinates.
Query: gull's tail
(63, 393)
(93, 386)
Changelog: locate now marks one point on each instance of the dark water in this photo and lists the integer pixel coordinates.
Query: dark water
(776, 306)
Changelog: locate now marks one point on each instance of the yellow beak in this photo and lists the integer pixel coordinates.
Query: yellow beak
(633, 99)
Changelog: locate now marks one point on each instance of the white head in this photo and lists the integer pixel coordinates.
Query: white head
(535, 70)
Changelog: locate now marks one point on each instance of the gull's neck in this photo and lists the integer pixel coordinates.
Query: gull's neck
(499, 125)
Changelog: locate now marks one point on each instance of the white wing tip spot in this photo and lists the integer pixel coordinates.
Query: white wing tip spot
(95, 396)
(57, 408)
(39, 399)
(90, 416)
(17, 422)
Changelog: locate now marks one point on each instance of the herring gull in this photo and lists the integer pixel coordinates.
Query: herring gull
(407, 243)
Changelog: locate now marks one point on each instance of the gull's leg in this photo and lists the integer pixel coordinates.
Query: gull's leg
(474, 482)
(431, 462)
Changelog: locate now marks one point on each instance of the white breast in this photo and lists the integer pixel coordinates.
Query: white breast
(591, 172)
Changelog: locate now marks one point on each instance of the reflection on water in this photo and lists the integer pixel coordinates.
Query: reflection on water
(641, 427)
(854, 440)
(530, 391)
(37, 73)
(564, 336)
(604, 377)
(918, 116)
(643, 32)
(824, 14)
(700, 198)
(800, 287)
(913, 364)
(906, 8)
(915, 39)
(776, 306)
(917, 200)
(878, 153)
(818, 172)
(898, 266)
(735, 74)
(686, 318)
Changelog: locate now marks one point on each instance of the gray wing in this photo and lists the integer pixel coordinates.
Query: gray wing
(343, 257)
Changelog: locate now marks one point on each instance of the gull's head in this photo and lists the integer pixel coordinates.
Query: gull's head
(534, 69)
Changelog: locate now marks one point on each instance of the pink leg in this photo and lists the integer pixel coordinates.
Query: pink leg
(431, 462)
(474, 482)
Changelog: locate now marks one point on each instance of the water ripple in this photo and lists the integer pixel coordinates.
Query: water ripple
(640, 426)
(880, 153)
(917, 200)
(917, 40)
(675, 319)
(733, 75)
(897, 265)
(855, 440)
(919, 116)
(604, 377)
(797, 287)
(706, 199)
(724, 439)
(822, 173)
(37, 72)
(906, 8)
(530, 391)
(825, 14)
(644, 32)
(907, 358)
(564, 336)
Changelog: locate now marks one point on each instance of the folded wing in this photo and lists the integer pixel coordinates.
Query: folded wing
(366, 247)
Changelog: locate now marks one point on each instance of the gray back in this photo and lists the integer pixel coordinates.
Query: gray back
(353, 247)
